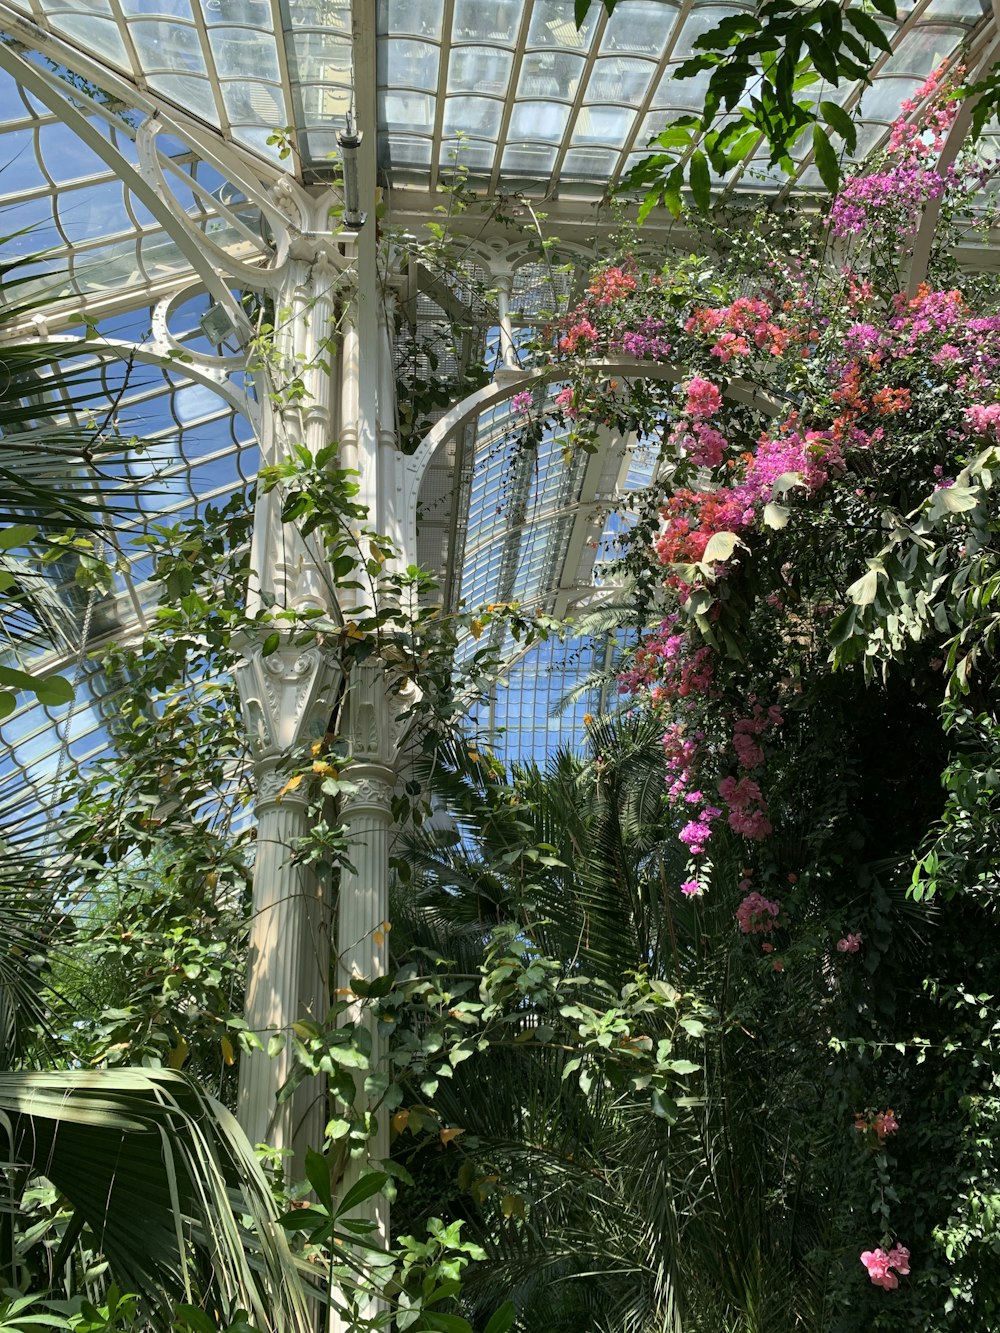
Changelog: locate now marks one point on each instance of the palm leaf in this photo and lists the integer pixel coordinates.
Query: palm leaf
(158, 1171)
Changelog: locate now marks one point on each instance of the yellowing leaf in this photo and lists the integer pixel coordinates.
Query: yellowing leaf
(447, 1135)
(178, 1054)
(291, 784)
(379, 937)
(400, 1120)
(228, 1054)
(476, 628)
(324, 769)
(512, 1206)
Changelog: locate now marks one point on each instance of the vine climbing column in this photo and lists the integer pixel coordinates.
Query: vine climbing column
(290, 686)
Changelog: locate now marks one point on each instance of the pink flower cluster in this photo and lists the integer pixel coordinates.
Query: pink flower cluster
(564, 402)
(577, 336)
(743, 796)
(757, 915)
(747, 326)
(881, 1124)
(880, 1265)
(696, 833)
(851, 943)
(704, 444)
(981, 420)
(885, 1123)
(747, 808)
(609, 284)
(703, 398)
(668, 667)
(910, 177)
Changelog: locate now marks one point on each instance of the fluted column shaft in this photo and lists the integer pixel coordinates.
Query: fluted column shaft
(288, 973)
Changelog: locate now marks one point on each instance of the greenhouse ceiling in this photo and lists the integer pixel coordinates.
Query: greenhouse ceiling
(511, 88)
(216, 101)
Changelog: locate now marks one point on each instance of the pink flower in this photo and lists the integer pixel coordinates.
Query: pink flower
(851, 943)
(880, 1265)
(692, 889)
(885, 1123)
(980, 419)
(877, 1263)
(703, 398)
(756, 914)
(899, 1259)
(521, 402)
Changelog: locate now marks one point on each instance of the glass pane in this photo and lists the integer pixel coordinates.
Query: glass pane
(483, 20)
(473, 115)
(538, 120)
(479, 69)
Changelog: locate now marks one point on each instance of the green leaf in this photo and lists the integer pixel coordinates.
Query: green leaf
(17, 535)
(503, 1320)
(450, 1323)
(271, 644)
(683, 1066)
(155, 1168)
(886, 7)
(868, 28)
(826, 159)
(841, 123)
(371, 1183)
(698, 179)
(318, 1175)
(53, 690)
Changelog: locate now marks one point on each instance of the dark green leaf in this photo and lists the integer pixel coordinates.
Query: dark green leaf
(869, 29)
(826, 159)
(841, 123)
(318, 1173)
(503, 1320)
(363, 1189)
(698, 179)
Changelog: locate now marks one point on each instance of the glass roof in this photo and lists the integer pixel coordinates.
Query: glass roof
(509, 87)
(94, 91)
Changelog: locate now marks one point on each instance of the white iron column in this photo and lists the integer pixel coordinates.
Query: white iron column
(290, 695)
(288, 698)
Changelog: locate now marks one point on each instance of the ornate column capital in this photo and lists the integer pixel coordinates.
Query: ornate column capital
(288, 697)
(374, 785)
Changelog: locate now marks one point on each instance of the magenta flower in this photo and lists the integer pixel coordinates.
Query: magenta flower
(521, 402)
(692, 889)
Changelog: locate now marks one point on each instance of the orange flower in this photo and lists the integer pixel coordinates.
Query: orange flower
(889, 401)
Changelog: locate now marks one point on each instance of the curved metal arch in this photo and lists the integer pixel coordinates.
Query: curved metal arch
(30, 77)
(412, 468)
(114, 349)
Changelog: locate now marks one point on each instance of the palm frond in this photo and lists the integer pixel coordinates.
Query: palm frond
(160, 1173)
